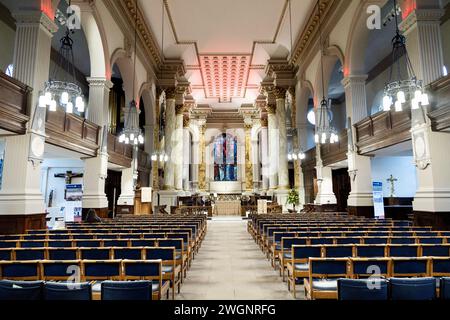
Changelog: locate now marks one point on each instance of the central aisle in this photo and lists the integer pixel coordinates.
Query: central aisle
(230, 266)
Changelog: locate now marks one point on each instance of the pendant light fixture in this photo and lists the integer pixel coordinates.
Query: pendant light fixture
(405, 88)
(132, 133)
(61, 88)
(324, 131)
(159, 154)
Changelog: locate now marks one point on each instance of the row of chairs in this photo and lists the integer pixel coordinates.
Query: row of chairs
(141, 290)
(93, 271)
(412, 289)
(321, 274)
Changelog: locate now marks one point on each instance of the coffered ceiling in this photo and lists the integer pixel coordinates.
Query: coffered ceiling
(225, 45)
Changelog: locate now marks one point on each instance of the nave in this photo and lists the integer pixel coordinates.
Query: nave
(230, 266)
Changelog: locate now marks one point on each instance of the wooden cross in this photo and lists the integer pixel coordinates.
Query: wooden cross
(392, 180)
(69, 175)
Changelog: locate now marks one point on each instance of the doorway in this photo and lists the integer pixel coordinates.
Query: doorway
(341, 188)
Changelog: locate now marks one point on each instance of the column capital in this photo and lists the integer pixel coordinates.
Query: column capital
(33, 18)
(271, 108)
(354, 80)
(100, 82)
(280, 93)
(421, 15)
(264, 122)
(170, 93)
(186, 121)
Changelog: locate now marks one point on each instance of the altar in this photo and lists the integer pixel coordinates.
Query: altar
(227, 208)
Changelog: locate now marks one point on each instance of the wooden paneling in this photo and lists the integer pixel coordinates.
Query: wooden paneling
(72, 132)
(14, 100)
(440, 100)
(119, 153)
(19, 224)
(382, 130)
(309, 175)
(335, 152)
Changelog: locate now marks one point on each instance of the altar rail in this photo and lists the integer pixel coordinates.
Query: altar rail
(72, 132)
(14, 104)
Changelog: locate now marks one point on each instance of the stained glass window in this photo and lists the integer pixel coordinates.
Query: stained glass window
(225, 158)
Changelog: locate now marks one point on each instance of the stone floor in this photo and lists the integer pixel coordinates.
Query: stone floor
(230, 266)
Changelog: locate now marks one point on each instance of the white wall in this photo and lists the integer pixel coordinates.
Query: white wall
(401, 168)
(445, 28)
(7, 35)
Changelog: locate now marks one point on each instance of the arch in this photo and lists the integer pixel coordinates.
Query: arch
(358, 38)
(329, 62)
(225, 157)
(125, 66)
(146, 93)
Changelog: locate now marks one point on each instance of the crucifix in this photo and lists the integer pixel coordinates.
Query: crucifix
(69, 175)
(392, 180)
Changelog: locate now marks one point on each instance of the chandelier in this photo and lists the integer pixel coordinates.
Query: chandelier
(61, 89)
(325, 132)
(132, 133)
(402, 90)
(294, 156)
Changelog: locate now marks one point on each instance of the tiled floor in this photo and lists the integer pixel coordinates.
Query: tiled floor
(230, 266)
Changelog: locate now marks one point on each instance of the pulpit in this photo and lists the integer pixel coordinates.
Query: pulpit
(142, 201)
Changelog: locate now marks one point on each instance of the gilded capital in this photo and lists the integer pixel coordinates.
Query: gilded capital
(186, 121)
(271, 108)
(280, 93)
(179, 109)
(170, 93)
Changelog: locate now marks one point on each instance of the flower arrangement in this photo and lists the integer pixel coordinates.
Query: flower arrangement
(293, 198)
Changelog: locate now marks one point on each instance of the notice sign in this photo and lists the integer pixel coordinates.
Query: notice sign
(146, 195)
(378, 200)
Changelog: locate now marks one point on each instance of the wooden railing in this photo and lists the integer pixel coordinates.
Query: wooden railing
(440, 99)
(14, 104)
(72, 132)
(382, 130)
(335, 152)
(119, 153)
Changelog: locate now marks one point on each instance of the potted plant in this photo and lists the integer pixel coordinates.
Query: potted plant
(293, 198)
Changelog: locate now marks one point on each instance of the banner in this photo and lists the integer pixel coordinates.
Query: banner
(378, 200)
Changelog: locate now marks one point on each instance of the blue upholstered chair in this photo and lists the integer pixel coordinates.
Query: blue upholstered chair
(148, 270)
(115, 243)
(19, 270)
(59, 237)
(59, 270)
(403, 250)
(126, 290)
(154, 235)
(20, 290)
(367, 267)
(93, 270)
(375, 240)
(323, 275)
(33, 244)
(144, 243)
(367, 289)
(436, 250)
(107, 236)
(348, 240)
(440, 266)
(67, 291)
(321, 241)
(298, 266)
(95, 253)
(338, 251)
(88, 243)
(430, 240)
(410, 267)
(403, 240)
(370, 251)
(6, 254)
(29, 254)
(62, 253)
(444, 288)
(412, 288)
(127, 253)
(286, 251)
(34, 237)
(60, 243)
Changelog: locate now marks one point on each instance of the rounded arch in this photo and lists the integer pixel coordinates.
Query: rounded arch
(329, 63)
(146, 94)
(358, 38)
(124, 63)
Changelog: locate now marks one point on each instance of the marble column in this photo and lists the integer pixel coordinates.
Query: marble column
(20, 195)
(248, 154)
(283, 172)
(202, 158)
(94, 196)
(273, 146)
(360, 199)
(178, 148)
(169, 168)
(264, 155)
(129, 177)
(325, 194)
(255, 164)
(195, 165)
(186, 156)
(302, 136)
(424, 41)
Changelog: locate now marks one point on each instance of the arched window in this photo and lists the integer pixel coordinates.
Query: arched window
(225, 158)
(10, 70)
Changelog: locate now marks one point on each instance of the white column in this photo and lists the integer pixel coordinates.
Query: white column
(20, 193)
(96, 169)
(169, 168)
(186, 159)
(178, 149)
(129, 176)
(283, 173)
(264, 158)
(255, 165)
(360, 199)
(195, 164)
(424, 42)
(325, 194)
(273, 147)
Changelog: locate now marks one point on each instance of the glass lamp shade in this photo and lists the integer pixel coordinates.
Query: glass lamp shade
(64, 98)
(52, 105)
(69, 107)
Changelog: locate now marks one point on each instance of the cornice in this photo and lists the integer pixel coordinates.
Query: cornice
(432, 16)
